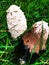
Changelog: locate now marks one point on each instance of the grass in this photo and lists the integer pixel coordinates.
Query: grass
(34, 11)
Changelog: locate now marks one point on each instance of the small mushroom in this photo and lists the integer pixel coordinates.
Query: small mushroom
(36, 38)
(16, 21)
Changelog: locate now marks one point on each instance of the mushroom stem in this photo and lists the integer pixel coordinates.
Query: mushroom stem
(25, 57)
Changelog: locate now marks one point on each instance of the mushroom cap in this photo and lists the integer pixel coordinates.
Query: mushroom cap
(33, 38)
(16, 21)
(38, 28)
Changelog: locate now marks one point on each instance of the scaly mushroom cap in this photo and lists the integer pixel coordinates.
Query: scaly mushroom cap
(33, 39)
(16, 21)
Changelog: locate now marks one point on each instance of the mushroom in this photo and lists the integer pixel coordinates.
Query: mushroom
(35, 39)
(16, 21)
(37, 36)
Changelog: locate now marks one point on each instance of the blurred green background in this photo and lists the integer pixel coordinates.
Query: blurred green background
(34, 10)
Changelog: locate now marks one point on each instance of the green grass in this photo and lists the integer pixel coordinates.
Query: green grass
(34, 11)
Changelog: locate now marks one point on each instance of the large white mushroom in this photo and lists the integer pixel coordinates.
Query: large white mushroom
(16, 21)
